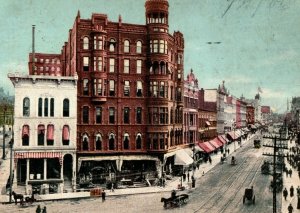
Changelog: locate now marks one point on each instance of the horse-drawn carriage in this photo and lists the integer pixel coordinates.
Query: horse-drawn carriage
(257, 143)
(279, 183)
(175, 200)
(24, 201)
(249, 195)
(265, 168)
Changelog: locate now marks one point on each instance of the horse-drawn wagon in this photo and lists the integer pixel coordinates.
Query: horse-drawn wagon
(175, 200)
(249, 195)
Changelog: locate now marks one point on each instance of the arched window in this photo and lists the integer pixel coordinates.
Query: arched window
(126, 141)
(66, 135)
(111, 141)
(112, 44)
(126, 46)
(41, 135)
(50, 135)
(138, 47)
(26, 107)
(85, 142)
(85, 43)
(25, 135)
(98, 140)
(138, 141)
(66, 108)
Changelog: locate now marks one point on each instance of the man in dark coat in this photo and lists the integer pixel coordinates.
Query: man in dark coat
(285, 193)
(103, 194)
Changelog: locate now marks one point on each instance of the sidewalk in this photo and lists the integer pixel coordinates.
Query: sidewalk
(170, 185)
(288, 182)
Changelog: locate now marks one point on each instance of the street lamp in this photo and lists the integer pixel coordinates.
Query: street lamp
(10, 166)
(4, 113)
(234, 125)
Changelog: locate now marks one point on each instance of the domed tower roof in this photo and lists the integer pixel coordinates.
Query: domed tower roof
(156, 7)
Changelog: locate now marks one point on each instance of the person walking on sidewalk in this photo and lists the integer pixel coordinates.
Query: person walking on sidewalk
(112, 187)
(298, 191)
(285, 193)
(292, 191)
(290, 208)
(290, 172)
(209, 159)
(103, 194)
(188, 176)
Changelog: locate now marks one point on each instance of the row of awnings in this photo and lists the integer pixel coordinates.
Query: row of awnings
(212, 145)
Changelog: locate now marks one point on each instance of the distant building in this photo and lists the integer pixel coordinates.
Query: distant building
(265, 114)
(45, 132)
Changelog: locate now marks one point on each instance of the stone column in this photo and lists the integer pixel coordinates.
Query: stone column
(27, 176)
(45, 168)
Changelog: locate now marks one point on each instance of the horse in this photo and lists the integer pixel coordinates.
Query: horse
(17, 196)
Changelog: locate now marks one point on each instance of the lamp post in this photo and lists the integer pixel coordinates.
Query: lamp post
(4, 133)
(234, 125)
(10, 167)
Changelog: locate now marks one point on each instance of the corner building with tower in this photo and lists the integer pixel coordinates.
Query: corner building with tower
(129, 94)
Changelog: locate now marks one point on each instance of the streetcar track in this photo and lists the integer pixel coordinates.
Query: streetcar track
(224, 187)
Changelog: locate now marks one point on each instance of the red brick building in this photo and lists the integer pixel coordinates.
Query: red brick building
(130, 91)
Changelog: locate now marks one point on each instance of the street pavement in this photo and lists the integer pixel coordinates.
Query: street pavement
(170, 184)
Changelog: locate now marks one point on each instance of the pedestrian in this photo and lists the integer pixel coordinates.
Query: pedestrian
(38, 209)
(285, 193)
(298, 191)
(103, 194)
(290, 208)
(188, 176)
(228, 151)
(198, 165)
(290, 172)
(44, 210)
(209, 159)
(292, 191)
(112, 187)
(184, 176)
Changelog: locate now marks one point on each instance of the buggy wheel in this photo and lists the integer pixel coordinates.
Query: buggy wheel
(181, 202)
(185, 200)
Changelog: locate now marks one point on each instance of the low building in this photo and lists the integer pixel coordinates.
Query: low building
(45, 132)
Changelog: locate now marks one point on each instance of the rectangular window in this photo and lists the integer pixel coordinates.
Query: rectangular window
(155, 89)
(85, 63)
(126, 88)
(85, 87)
(98, 63)
(111, 88)
(99, 88)
(155, 46)
(155, 115)
(151, 48)
(126, 65)
(52, 107)
(111, 65)
(166, 47)
(162, 115)
(161, 46)
(111, 115)
(85, 115)
(98, 115)
(139, 89)
(162, 89)
(46, 107)
(98, 42)
(138, 66)
(126, 115)
(139, 115)
(40, 107)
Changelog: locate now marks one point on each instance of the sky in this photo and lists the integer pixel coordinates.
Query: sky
(246, 43)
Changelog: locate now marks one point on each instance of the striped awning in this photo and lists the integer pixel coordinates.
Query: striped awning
(22, 155)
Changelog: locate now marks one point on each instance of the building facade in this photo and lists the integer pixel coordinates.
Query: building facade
(45, 132)
(129, 93)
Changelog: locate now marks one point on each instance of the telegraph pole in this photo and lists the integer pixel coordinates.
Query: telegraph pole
(276, 147)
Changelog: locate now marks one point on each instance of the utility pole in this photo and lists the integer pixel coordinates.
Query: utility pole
(277, 148)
